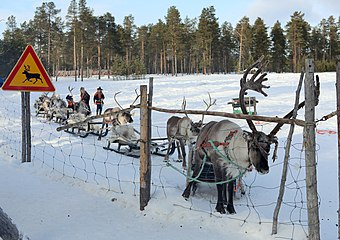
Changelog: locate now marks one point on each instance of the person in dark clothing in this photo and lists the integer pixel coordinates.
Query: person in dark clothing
(98, 99)
(85, 97)
(70, 102)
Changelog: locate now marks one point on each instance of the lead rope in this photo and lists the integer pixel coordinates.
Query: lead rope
(224, 157)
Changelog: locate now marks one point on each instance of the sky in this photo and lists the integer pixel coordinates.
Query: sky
(150, 11)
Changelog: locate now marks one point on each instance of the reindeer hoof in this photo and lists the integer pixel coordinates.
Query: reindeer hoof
(231, 209)
(185, 195)
(220, 208)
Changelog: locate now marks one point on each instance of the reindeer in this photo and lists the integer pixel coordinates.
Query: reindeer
(29, 76)
(232, 150)
(183, 131)
(118, 116)
(58, 109)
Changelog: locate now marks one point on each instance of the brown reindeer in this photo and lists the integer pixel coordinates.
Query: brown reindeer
(232, 150)
(182, 131)
(29, 76)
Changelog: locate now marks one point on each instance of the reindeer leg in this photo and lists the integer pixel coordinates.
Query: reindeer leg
(101, 131)
(219, 173)
(182, 146)
(230, 204)
(197, 168)
(180, 157)
(170, 145)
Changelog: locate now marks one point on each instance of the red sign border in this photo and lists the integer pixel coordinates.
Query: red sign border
(29, 50)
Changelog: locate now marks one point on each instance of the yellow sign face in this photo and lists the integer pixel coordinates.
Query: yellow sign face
(29, 74)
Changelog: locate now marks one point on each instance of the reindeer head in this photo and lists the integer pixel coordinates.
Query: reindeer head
(258, 142)
(196, 127)
(124, 117)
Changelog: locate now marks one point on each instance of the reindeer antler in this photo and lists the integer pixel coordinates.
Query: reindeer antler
(114, 97)
(184, 105)
(70, 89)
(253, 84)
(208, 105)
(138, 95)
(301, 105)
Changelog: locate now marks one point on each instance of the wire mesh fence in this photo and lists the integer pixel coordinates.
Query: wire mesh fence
(84, 159)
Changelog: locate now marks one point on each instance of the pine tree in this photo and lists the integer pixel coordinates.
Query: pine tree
(173, 23)
(86, 28)
(72, 24)
(298, 39)
(244, 39)
(12, 46)
(278, 48)
(228, 47)
(208, 34)
(260, 39)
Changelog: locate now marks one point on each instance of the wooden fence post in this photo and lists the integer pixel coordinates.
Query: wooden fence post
(338, 121)
(309, 144)
(145, 159)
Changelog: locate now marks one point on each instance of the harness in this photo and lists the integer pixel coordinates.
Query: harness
(226, 142)
(224, 156)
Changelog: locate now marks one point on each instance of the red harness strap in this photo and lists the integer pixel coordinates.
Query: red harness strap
(217, 144)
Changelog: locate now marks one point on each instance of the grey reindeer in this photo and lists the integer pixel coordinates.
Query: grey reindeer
(232, 150)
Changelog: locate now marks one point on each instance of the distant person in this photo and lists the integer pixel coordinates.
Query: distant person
(98, 99)
(85, 98)
(70, 102)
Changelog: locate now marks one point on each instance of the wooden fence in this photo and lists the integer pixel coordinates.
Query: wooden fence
(309, 125)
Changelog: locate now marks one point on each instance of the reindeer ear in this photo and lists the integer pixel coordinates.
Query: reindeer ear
(132, 113)
(247, 135)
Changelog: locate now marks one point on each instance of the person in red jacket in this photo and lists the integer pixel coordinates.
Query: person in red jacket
(98, 99)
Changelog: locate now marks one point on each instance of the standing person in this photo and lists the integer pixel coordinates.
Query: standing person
(85, 97)
(98, 99)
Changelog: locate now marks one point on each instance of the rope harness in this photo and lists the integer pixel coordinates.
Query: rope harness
(224, 156)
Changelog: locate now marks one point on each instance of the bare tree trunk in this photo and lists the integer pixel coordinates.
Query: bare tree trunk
(99, 64)
(108, 66)
(74, 54)
(164, 59)
(127, 59)
(49, 45)
(82, 62)
(161, 62)
(241, 46)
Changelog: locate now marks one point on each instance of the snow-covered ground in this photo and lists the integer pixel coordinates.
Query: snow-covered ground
(74, 189)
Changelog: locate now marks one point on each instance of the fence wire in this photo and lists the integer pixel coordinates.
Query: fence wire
(84, 159)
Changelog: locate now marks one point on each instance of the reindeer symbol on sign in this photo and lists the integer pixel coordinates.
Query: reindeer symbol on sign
(31, 75)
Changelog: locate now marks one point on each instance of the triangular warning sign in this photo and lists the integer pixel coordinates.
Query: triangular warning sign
(29, 74)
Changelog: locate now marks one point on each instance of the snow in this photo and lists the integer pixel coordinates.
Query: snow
(74, 189)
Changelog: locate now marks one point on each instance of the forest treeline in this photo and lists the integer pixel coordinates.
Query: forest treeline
(83, 44)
